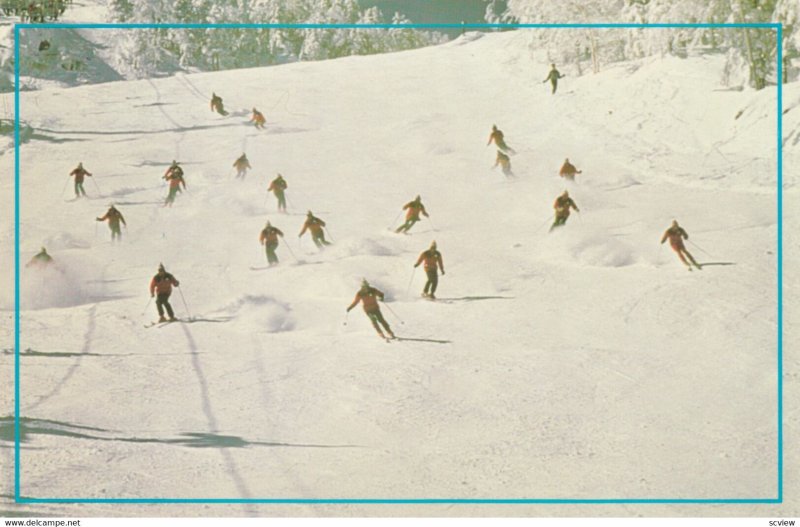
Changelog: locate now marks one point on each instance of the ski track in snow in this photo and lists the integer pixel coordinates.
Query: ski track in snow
(557, 348)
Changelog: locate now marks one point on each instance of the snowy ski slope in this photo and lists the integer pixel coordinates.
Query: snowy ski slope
(587, 363)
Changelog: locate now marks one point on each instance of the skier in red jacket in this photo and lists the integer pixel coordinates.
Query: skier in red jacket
(562, 206)
(675, 234)
(269, 239)
(505, 163)
(369, 296)
(79, 173)
(242, 164)
(433, 262)
(216, 104)
(259, 119)
(497, 137)
(174, 176)
(316, 226)
(114, 218)
(161, 288)
(278, 186)
(568, 170)
(413, 210)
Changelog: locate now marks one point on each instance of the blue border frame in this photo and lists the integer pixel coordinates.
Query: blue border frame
(18, 498)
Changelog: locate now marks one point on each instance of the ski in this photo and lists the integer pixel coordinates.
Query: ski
(190, 320)
(160, 324)
(432, 341)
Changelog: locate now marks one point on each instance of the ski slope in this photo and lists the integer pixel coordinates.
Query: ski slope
(585, 363)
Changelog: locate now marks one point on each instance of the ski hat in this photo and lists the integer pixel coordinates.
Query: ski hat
(674, 223)
(364, 283)
(553, 65)
(269, 224)
(161, 267)
(494, 127)
(565, 194)
(418, 198)
(80, 164)
(433, 244)
(309, 214)
(44, 250)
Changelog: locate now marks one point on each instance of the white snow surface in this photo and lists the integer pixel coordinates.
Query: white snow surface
(584, 363)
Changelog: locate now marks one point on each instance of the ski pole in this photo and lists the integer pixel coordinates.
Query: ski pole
(391, 226)
(97, 187)
(65, 186)
(346, 314)
(543, 223)
(148, 305)
(290, 203)
(184, 303)
(408, 289)
(292, 253)
(393, 313)
(701, 249)
(329, 234)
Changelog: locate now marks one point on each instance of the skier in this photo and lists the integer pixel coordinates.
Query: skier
(370, 296)
(269, 239)
(258, 118)
(174, 167)
(505, 163)
(278, 186)
(114, 217)
(553, 77)
(216, 104)
(413, 208)
(497, 137)
(175, 178)
(161, 284)
(562, 206)
(79, 173)
(41, 259)
(241, 165)
(568, 170)
(676, 235)
(315, 225)
(433, 263)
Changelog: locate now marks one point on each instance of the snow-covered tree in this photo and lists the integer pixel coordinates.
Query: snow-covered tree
(206, 49)
(749, 50)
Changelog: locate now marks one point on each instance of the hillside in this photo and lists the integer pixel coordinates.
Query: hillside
(584, 363)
